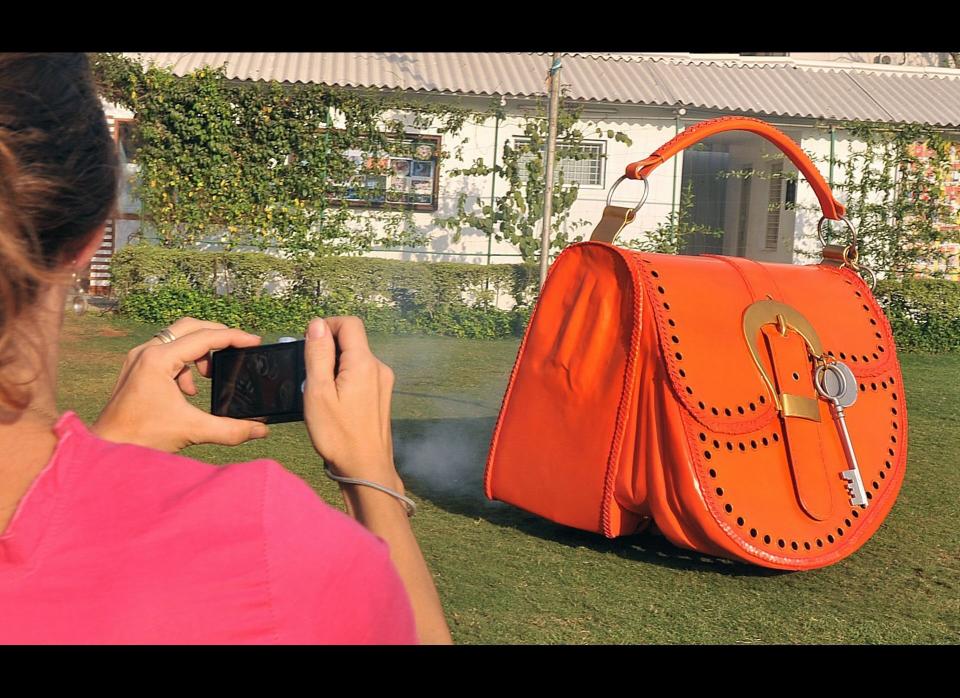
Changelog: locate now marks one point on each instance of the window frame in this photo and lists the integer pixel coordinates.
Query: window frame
(417, 207)
(586, 141)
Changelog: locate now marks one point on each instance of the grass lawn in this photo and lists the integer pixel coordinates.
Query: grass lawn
(506, 576)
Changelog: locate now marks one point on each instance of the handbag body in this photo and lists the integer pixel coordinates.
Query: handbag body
(682, 390)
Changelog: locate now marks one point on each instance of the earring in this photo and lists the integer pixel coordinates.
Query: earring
(79, 301)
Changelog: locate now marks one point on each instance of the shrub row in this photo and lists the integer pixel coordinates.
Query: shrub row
(924, 313)
(266, 293)
(262, 292)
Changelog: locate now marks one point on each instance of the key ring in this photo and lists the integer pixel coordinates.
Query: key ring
(821, 387)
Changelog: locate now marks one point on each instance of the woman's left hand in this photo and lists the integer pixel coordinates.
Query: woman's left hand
(148, 406)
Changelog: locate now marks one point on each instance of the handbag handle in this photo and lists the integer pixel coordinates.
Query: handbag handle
(641, 169)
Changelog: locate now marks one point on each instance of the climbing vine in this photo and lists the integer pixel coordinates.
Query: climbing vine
(894, 188)
(270, 166)
(894, 183)
(516, 216)
(264, 165)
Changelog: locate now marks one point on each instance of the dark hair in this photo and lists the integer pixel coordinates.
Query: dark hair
(58, 180)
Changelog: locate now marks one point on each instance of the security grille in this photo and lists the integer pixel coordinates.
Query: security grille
(586, 170)
(775, 205)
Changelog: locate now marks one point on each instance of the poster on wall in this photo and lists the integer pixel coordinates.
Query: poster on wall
(407, 177)
(422, 190)
(421, 168)
(411, 180)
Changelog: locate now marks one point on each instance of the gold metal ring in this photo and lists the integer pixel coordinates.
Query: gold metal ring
(852, 262)
(851, 259)
(873, 276)
(853, 231)
(165, 335)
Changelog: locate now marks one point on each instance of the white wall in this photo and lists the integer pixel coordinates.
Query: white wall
(891, 58)
(816, 143)
(649, 128)
(647, 134)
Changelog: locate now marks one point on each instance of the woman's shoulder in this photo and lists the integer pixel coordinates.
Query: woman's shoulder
(144, 483)
(324, 577)
(134, 473)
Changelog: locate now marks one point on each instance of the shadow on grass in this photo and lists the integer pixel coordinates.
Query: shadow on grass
(443, 460)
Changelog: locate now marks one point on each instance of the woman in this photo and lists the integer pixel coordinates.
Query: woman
(109, 538)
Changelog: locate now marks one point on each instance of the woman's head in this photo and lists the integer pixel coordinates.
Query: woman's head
(58, 181)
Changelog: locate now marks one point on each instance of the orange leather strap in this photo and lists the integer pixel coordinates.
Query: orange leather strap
(832, 208)
(803, 437)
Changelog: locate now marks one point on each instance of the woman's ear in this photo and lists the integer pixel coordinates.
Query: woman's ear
(89, 249)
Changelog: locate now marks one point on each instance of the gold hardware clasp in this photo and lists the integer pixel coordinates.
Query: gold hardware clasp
(786, 318)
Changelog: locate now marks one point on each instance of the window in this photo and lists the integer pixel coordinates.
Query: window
(127, 142)
(743, 220)
(128, 147)
(407, 178)
(773, 210)
(588, 170)
(790, 198)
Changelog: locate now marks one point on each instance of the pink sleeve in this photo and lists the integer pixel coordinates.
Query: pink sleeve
(331, 580)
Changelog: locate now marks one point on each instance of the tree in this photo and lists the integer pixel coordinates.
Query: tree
(517, 213)
(893, 188)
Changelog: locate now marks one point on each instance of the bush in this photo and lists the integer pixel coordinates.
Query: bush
(269, 294)
(924, 313)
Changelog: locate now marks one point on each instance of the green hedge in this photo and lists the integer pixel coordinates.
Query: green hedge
(924, 313)
(159, 285)
(265, 293)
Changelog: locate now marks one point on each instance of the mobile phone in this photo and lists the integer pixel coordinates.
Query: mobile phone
(263, 383)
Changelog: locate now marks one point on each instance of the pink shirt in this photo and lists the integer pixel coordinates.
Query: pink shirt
(120, 544)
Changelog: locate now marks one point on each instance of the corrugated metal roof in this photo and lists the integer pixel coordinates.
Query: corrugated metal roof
(815, 90)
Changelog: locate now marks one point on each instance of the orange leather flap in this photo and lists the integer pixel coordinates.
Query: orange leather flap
(699, 304)
(557, 442)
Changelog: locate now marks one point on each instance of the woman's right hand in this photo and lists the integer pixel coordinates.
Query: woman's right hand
(348, 413)
(348, 417)
(148, 406)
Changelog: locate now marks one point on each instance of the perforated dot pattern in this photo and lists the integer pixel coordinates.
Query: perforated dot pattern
(723, 453)
(828, 533)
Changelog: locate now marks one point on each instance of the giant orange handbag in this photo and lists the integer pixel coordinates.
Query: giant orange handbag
(752, 411)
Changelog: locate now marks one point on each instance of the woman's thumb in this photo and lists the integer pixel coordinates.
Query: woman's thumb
(319, 355)
(225, 431)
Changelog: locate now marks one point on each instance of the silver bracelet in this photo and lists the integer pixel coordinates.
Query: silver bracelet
(408, 503)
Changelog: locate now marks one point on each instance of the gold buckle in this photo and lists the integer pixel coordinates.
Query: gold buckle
(786, 318)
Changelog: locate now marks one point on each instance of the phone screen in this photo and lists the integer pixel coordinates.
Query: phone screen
(262, 383)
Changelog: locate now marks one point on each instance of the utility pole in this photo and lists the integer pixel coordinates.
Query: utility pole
(554, 77)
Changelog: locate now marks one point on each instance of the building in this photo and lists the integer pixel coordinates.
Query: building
(935, 59)
(648, 97)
